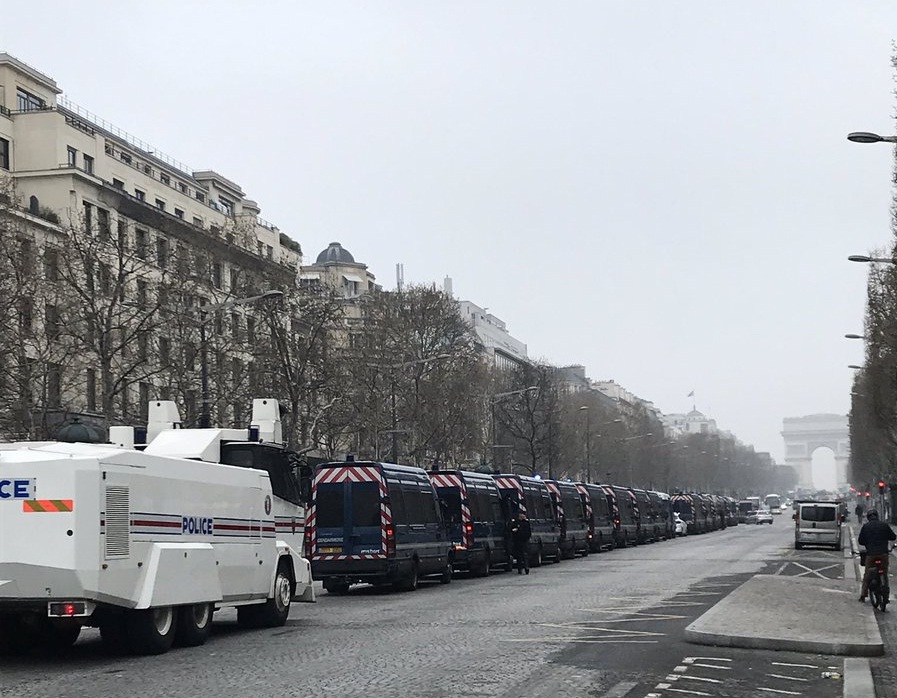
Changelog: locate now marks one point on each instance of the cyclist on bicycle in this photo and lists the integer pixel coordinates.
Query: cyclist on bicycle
(875, 536)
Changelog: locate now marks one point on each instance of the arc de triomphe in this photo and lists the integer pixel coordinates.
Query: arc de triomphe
(803, 435)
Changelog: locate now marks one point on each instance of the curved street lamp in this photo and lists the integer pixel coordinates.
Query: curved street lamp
(867, 137)
(854, 336)
(867, 259)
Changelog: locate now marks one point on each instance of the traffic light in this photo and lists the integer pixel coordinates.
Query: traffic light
(881, 486)
(868, 495)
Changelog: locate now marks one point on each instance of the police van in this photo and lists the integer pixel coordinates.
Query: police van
(571, 515)
(598, 517)
(624, 511)
(375, 523)
(530, 495)
(689, 508)
(476, 520)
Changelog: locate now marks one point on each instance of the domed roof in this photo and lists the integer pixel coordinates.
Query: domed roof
(695, 413)
(335, 254)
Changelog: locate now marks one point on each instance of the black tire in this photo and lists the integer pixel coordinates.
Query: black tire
(58, 638)
(114, 633)
(333, 586)
(446, 576)
(275, 611)
(410, 581)
(539, 559)
(17, 637)
(151, 631)
(194, 625)
(485, 567)
(798, 546)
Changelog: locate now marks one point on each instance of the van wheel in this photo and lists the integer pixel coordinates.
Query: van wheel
(537, 560)
(194, 625)
(485, 567)
(409, 583)
(151, 631)
(275, 611)
(113, 633)
(446, 576)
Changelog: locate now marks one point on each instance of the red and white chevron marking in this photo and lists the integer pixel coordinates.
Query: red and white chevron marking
(452, 480)
(512, 483)
(587, 498)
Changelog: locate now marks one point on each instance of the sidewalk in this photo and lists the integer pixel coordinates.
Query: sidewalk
(799, 614)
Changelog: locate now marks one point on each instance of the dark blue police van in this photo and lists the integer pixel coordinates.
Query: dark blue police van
(377, 523)
(571, 514)
(476, 519)
(530, 495)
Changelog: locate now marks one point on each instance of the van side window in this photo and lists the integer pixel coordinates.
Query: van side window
(497, 513)
(397, 503)
(365, 504)
(431, 515)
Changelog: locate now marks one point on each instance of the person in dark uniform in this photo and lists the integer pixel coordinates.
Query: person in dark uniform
(859, 512)
(875, 537)
(521, 532)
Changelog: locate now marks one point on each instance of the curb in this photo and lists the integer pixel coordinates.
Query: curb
(858, 678)
(767, 643)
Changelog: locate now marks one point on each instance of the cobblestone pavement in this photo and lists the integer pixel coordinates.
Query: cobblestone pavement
(605, 626)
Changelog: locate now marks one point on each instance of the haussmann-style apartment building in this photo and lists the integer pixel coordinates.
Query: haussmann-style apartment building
(71, 183)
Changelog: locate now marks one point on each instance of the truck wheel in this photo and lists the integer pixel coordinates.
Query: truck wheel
(409, 583)
(274, 612)
(60, 637)
(483, 569)
(194, 625)
(538, 559)
(446, 576)
(151, 631)
(113, 633)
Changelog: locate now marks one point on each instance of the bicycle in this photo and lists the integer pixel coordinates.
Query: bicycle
(879, 589)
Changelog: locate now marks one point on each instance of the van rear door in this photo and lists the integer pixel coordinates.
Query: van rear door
(348, 513)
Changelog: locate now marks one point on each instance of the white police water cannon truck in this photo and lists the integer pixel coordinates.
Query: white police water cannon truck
(146, 542)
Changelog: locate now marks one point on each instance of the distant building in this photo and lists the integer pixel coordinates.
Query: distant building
(694, 422)
(505, 351)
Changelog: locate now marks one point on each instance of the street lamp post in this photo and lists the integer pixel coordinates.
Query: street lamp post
(205, 418)
(866, 137)
(629, 456)
(392, 368)
(494, 399)
(585, 408)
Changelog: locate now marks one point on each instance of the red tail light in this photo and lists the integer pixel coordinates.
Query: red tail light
(309, 545)
(390, 540)
(469, 528)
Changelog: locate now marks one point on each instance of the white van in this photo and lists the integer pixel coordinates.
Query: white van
(817, 523)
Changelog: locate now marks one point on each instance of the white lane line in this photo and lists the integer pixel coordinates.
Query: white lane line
(713, 666)
(802, 666)
(679, 669)
(691, 660)
(776, 690)
(691, 693)
(662, 686)
(787, 678)
(620, 690)
(699, 678)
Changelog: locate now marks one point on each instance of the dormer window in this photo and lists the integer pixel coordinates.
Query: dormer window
(28, 101)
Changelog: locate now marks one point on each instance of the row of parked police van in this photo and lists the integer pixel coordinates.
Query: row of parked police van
(381, 523)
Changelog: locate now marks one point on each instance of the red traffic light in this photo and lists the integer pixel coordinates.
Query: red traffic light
(868, 495)
(881, 485)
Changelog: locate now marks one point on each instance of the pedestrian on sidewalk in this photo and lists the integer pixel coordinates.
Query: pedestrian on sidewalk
(859, 512)
(876, 537)
(521, 532)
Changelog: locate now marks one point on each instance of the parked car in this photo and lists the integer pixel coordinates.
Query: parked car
(818, 523)
(750, 516)
(764, 515)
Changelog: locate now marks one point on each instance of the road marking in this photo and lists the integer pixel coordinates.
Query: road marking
(596, 640)
(802, 666)
(639, 615)
(621, 632)
(620, 690)
(662, 686)
(787, 678)
(699, 678)
(776, 690)
(691, 660)
(713, 666)
(691, 693)
(679, 669)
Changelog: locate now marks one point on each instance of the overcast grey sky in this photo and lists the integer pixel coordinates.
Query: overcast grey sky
(660, 191)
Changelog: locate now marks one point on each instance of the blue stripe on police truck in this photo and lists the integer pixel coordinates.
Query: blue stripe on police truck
(18, 488)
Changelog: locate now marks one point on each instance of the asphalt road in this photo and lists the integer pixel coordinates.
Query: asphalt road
(606, 626)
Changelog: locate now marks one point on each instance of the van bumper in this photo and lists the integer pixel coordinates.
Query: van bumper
(356, 570)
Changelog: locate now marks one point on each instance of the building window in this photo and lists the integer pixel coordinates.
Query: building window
(88, 164)
(4, 153)
(54, 385)
(105, 229)
(117, 183)
(227, 205)
(143, 345)
(72, 156)
(219, 323)
(165, 178)
(160, 204)
(125, 157)
(28, 101)
(144, 391)
(269, 252)
(162, 253)
(216, 275)
(200, 196)
(235, 325)
(51, 265)
(141, 243)
(122, 235)
(163, 298)
(182, 187)
(104, 275)
(26, 253)
(139, 195)
(88, 217)
(141, 293)
(51, 318)
(179, 213)
(26, 314)
(250, 330)
(91, 390)
(197, 221)
(164, 351)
